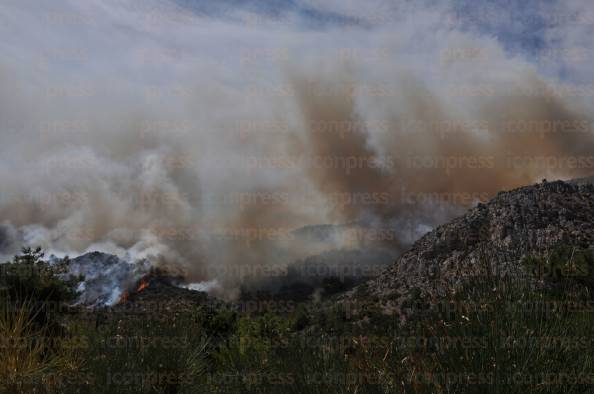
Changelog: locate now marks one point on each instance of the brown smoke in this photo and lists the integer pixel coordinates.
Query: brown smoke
(138, 151)
(461, 161)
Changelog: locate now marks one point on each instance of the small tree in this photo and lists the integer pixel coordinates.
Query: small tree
(29, 278)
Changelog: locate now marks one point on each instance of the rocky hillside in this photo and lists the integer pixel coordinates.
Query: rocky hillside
(495, 236)
(157, 293)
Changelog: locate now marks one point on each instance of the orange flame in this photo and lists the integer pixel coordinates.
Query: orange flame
(143, 285)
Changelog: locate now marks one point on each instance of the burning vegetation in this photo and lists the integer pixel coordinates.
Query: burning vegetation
(144, 283)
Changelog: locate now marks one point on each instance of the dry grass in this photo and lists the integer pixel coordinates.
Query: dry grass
(28, 360)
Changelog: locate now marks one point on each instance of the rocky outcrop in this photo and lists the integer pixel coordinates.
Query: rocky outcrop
(494, 236)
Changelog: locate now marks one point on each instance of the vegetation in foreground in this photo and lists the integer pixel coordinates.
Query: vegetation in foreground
(495, 335)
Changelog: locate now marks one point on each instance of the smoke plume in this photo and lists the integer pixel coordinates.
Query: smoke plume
(203, 142)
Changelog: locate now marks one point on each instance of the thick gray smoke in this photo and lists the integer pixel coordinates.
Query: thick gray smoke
(202, 142)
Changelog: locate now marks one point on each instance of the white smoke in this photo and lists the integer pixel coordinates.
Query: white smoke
(203, 286)
(145, 130)
(103, 279)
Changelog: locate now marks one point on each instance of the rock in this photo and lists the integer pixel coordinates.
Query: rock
(531, 220)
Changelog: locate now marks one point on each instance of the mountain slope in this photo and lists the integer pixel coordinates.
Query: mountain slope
(495, 236)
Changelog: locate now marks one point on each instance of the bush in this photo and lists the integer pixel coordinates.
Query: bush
(142, 354)
(495, 334)
(28, 278)
(564, 265)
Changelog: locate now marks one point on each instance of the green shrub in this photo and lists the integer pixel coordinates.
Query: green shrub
(564, 264)
(28, 278)
(143, 354)
(495, 334)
